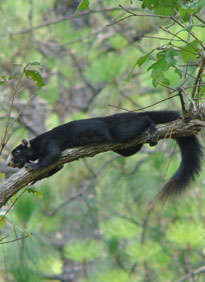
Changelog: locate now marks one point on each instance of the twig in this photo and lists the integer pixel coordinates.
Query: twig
(200, 72)
(144, 108)
(14, 240)
(195, 272)
(67, 201)
(13, 95)
(56, 21)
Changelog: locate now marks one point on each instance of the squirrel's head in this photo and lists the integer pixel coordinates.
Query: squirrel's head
(20, 155)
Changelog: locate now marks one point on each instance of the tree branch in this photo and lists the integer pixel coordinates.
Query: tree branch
(23, 177)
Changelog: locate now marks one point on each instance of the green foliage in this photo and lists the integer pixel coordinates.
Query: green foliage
(30, 255)
(172, 6)
(186, 235)
(106, 69)
(145, 252)
(25, 208)
(86, 250)
(118, 228)
(111, 276)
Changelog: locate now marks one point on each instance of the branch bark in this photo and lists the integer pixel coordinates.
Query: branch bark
(23, 177)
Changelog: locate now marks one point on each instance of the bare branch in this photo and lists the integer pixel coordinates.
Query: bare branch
(23, 178)
(62, 19)
(194, 273)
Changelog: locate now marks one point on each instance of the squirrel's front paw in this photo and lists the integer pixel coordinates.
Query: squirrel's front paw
(154, 138)
(31, 166)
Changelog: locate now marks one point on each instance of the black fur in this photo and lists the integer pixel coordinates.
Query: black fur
(118, 128)
(191, 153)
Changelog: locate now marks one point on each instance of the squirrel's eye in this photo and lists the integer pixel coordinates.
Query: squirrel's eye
(18, 152)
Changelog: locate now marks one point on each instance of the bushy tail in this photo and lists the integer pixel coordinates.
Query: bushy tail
(191, 154)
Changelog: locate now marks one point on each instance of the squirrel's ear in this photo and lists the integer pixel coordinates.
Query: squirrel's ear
(26, 143)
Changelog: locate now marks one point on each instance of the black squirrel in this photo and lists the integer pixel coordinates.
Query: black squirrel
(118, 128)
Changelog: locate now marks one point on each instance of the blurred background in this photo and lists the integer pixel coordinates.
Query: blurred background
(95, 219)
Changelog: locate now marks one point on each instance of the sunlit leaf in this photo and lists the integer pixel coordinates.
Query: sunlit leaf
(27, 233)
(84, 5)
(36, 77)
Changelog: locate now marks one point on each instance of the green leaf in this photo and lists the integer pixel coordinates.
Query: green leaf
(186, 10)
(165, 60)
(190, 51)
(179, 72)
(14, 198)
(200, 5)
(163, 10)
(11, 77)
(140, 62)
(36, 77)
(144, 57)
(168, 55)
(2, 221)
(202, 90)
(84, 5)
(165, 81)
(36, 64)
(35, 192)
(158, 72)
(39, 195)
(2, 175)
(148, 4)
(31, 189)
(160, 7)
(27, 233)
